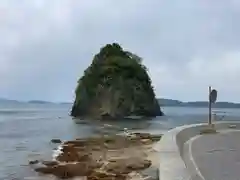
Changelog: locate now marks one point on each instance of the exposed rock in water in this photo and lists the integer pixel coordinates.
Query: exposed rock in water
(56, 141)
(34, 162)
(50, 163)
(116, 85)
(85, 158)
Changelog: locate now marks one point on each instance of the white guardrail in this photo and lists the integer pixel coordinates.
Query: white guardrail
(170, 148)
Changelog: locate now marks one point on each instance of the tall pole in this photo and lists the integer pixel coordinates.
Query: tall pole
(210, 107)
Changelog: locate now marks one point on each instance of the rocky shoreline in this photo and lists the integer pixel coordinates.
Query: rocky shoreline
(115, 157)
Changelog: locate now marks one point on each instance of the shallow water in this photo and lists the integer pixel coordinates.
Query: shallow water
(26, 131)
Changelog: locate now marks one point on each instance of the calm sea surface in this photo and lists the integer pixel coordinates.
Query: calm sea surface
(26, 131)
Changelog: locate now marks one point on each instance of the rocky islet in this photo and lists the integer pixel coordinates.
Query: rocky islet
(116, 85)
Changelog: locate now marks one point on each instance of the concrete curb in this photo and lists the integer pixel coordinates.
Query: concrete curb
(171, 150)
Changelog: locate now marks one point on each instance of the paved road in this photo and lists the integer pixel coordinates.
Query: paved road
(217, 157)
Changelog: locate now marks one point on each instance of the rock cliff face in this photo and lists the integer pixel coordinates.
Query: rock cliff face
(116, 85)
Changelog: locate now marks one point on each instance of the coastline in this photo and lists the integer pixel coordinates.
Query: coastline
(119, 157)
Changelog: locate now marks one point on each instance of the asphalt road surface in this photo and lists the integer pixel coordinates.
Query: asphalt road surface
(217, 156)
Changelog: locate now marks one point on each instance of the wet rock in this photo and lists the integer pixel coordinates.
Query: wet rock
(138, 164)
(125, 166)
(67, 170)
(155, 138)
(70, 153)
(68, 148)
(33, 162)
(73, 156)
(96, 143)
(56, 141)
(78, 143)
(44, 170)
(143, 135)
(81, 157)
(68, 157)
(50, 163)
(101, 175)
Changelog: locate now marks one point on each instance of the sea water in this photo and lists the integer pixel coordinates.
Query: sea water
(26, 131)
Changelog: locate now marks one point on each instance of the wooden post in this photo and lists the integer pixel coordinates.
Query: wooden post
(210, 107)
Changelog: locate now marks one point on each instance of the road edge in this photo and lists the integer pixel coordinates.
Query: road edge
(171, 150)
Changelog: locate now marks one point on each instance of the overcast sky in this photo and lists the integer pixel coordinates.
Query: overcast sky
(187, 45)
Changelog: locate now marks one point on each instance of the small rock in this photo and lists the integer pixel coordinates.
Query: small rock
(143, 135)
(140, 165)
(34, 162)
(50, 163)
(56, 141)
(156, 137)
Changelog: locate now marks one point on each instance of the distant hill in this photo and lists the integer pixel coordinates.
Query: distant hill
(9, 101)
(66, 103)
(162, 102)
(171, 102)
(3, 100)
(39, 102)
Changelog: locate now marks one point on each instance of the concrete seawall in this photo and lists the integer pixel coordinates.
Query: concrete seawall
(174, 158)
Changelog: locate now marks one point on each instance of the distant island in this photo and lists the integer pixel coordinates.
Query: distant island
(177, 103)
(39, 102)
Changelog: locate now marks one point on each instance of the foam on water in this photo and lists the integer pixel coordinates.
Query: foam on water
(57, 152)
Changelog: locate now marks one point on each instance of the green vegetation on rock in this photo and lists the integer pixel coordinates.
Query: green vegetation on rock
(115, 85)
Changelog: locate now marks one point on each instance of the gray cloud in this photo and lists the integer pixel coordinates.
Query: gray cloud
(186, 45)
